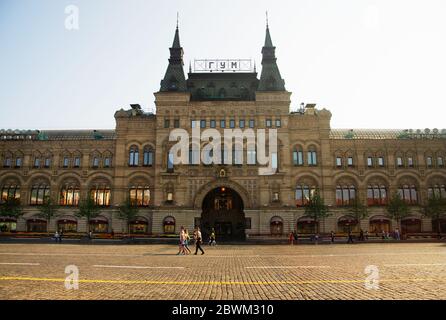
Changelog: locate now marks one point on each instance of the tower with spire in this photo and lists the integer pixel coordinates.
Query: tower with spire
(174, 79)
(270, 79)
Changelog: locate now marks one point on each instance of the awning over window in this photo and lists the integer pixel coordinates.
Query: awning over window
(379, 219)
(139, 220)
(169, 221)
(305, 219)
(347, 220)
(276, 220)
(99, 219)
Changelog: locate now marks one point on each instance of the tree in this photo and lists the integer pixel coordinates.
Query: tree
(11, 207)
(435, 208)
(397, 209)
(88, 209)
(358, 210)
(47, 211)
(128, 211)
(317, 209)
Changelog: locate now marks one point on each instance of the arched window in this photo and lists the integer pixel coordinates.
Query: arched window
(39, 193)
(169, 224)
(18, 160)
(298, 156)
(7, 160)
(69, 195)
(170, 161)
(133, 156)
(140, 195)
(312, 156)
(348, 223)
(148, 156)
(303, 194)
(376, 195)
(9, 191)
(345, 195)
(36, 225)
(408, 193)
(100, 193)
(67, 225)
(437, 190)
(276, 226)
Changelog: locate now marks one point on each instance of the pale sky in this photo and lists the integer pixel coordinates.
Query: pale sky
(372, 63)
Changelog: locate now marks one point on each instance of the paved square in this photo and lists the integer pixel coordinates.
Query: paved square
(403, 271)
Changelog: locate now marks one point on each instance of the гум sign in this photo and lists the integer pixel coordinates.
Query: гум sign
(226, 65)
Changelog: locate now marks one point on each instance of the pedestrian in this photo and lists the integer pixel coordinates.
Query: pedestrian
(291, 238)
(366, 235)
(361, 235)
(295, 235)
(186, 242)
(56, 236)
(316, 238)
(397, 234)
(60, 236)
(197, 236)
(212, 241)
(350, 237)
(332, 234)
(181, 249)
(112, 234)
(383, 235)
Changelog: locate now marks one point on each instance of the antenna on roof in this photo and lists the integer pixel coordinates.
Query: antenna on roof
(266, 18)
(177, 18)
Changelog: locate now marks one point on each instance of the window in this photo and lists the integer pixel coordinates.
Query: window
(241, 123)
(170, 162)
(66, 162)
(311, 155)
(345, 195)
(274, 160)
(47, 162)
(169, 225)
(408, 193)
(193, 124)
(381, 161)
(369, 162)
(100, 195)
(231, 123)
(202, 123)
(278, 123)
(251, 154)
(148, 157)
(338, 162)
(252, 123)
(298, 157)
(37, 163)
(440, 162)
(133, 156)
(176, 123)
(69, 195)
(77, 162)
(7, 163)
(212, 123)
(95, 162)
(268, 123)
(139, 196)
(237, 154)
(107, 162)
(429, 162)
(222, 124)
(376, 195)
(39, 193)
(399, 162)
(410, 162)
(18, 162)
(166, 123)
(350, 161)
(303, 194)
(439, 191)
(194, 155)
(9, 191)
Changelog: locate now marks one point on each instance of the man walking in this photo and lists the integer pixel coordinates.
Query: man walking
(198, 240)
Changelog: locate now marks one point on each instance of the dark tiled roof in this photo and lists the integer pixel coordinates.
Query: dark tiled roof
(384, 134)
(77, 135)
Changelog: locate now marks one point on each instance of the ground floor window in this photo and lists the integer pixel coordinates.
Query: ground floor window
(378, 225)
(169, 225)
(99, 226)
(347, 224)
(276, 226)
(139, 226)
(67, 225)
(8, 225)
(306, 226)
(36, 225)
(411, 225)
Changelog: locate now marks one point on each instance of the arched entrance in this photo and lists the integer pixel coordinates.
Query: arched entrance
(222, 210)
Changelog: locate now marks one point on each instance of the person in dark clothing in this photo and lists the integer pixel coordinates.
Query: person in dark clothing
(361, 235)
(350, 237)
(332, 235)
(198, 241)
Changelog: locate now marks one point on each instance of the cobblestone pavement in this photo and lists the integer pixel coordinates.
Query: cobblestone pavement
(404, 271)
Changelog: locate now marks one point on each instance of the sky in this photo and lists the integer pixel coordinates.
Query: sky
(372, 63)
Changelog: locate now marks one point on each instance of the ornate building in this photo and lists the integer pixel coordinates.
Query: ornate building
(132, 161)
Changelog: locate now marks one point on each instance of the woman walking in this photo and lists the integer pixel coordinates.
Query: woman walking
(181, 249)
(186, 242)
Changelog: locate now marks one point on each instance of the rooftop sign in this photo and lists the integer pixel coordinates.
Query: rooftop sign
(223, 65)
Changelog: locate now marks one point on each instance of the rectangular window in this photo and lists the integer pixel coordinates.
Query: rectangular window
(381, 161)
(298, 159)
(410, 161)
(241, 123)
(268, 123)
(429, 162)
(95, 162)
(47, 162)
(176, 123)
(232, 123)
(311, 157)
(252, 123)
(192, 124)
(7, 163)
(166, 123)
(18, 162)
(212, 124)
(170, 162)
(350, 161)
(77, 162)
(107, 162)
(36, 163)
(251, 157)
(338, 162)
(278, 123)
(440, 162)
(274, 160)
(369, 162)
(202, 123)
(66, 162)
(222, 124)
(399, 162)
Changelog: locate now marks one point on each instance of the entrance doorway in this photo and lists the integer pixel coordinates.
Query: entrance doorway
(223, 212)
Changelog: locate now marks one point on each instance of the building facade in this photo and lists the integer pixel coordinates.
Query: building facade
(132, 162)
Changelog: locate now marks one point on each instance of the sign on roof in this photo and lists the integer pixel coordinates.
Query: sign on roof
(223, 65)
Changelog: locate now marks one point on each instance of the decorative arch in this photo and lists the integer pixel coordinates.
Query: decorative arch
(204, 190)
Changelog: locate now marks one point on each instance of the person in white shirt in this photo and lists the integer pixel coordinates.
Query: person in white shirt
(198, 241)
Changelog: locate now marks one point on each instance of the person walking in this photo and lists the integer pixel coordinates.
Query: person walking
(212, 241)
(197, 236)
(366, 235)
(60, 236)
(56, 236)
(186, 242)
(361, 235)
(291, 238)
(181, 249)
(295, 236)
(350, 237)
(332, 235)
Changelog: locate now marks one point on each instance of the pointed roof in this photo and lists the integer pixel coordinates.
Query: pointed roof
(174, 79)
(176, 39)
(268, 42)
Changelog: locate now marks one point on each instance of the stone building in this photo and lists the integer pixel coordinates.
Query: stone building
(132, 161)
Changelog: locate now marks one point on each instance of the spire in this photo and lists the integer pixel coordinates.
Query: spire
(270, 79)
(174, 79)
